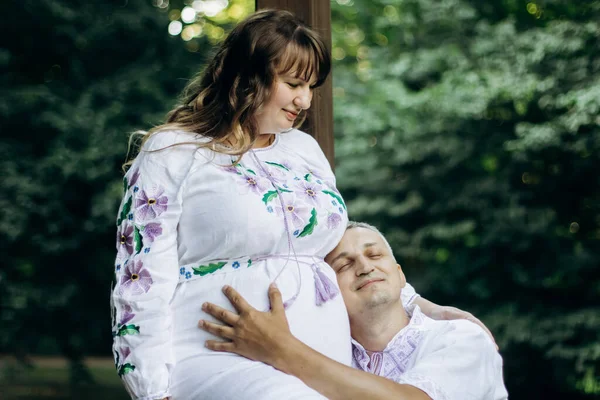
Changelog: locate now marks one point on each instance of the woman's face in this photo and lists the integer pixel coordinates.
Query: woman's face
(290, 96)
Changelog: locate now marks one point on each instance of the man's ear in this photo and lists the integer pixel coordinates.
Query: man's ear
(402, 277)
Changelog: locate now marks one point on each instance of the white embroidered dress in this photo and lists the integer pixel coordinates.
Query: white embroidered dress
(448, 360)
(191, 222)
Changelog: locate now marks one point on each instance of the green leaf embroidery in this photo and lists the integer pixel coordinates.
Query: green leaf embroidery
(130, 329)
(308, 229)
(284, 190)
(249, 170)
(336, 196)
(137, 238)
(277, 165)
(208, 269)
(249, 262)
(125, 211)
(269, 196)
(125, 369)
(307, 177)
(125, 186)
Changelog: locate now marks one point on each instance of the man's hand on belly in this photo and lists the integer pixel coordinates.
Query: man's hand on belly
(259, 336)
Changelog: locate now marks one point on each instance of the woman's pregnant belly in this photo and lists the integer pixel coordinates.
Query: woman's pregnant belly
(324, 328)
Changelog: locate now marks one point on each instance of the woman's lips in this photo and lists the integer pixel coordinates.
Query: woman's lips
(290, 115)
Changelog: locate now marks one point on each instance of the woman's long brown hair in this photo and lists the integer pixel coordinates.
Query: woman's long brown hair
(222, 102)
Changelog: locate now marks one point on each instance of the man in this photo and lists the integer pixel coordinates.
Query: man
(421, 358)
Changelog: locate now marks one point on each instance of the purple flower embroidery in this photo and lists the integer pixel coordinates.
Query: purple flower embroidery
(333, 221)
(308, 191)
(134, 177)
(136, 279)
(125, 352)
(152, 230)
(253, 183)
(276, 174)
(232, 168)
(150, 205)
(295, 210)
(127, 315)
(125, 238)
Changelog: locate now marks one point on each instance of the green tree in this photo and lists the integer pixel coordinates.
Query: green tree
(469, 132)
(77, 78)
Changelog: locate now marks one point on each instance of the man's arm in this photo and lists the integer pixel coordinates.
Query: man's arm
(266, 337)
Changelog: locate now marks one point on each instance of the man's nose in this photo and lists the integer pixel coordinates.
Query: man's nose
(363, 266)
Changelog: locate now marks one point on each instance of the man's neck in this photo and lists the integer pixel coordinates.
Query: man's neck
(377, 327)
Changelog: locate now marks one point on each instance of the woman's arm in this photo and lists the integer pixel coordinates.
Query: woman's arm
(266, 337)
(435, 311)
(146, 268)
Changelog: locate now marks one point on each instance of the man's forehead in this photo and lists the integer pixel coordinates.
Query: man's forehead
(361, 237)
(356, 239)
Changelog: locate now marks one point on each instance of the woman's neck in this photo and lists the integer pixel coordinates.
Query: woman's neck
(264, 140)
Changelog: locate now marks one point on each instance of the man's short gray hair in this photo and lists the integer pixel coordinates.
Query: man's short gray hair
(355, 224)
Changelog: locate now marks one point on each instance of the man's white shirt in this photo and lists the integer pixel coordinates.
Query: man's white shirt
(448, 360)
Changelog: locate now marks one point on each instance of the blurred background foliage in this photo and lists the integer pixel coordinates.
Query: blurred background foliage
(468, 131)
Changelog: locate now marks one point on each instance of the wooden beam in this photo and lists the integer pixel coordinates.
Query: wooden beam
(317, 14)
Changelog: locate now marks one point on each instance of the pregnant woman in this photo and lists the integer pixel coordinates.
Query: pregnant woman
(227, 192)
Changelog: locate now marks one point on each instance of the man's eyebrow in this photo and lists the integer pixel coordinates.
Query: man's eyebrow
(370, 244)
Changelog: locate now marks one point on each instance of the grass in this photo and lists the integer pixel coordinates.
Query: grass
(49, 379)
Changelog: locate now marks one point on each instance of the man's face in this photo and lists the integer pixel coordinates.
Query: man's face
(367, 272)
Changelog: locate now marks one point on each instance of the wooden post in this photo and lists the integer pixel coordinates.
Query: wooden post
(317, 14)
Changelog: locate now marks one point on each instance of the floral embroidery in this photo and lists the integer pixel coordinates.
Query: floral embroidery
(208, 269)
(182, 271)
(134, 177)
(336, 196)
(333, 220)
(295, 210)
(125, 351)
(235, 265)
(125, 211)
(188, 275)
(252, 182)
(127, 315)
(125, 238)
(276, 172)
(398, 354)
(123, 369)
(300, 203)
(130, 329)
(136, 279)
(309, 192)
(151, 205)
(152, 230)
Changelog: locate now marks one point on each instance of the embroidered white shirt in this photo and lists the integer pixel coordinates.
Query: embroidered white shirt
(448, 360)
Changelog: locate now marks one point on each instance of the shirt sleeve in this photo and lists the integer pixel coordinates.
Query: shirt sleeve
(146, 267)
(460, 363)
(408, 295)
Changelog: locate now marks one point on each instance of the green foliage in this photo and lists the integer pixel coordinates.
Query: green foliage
(77, 78)
(469, 132)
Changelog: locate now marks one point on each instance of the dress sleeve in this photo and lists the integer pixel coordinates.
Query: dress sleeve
(146, 267)
(408, 295)
(459, 364)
